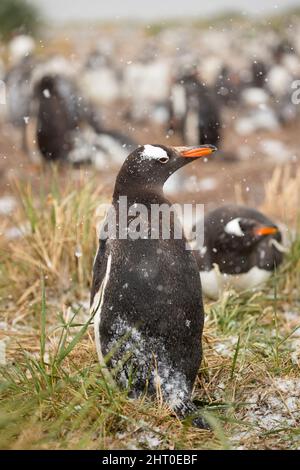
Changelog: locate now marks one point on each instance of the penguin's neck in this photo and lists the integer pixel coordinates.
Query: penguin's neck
(149, 206)
(139, 194)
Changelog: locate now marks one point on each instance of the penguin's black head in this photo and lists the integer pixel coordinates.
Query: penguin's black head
(47, 86)
(243, 233)
(149, 166)
(58, 86)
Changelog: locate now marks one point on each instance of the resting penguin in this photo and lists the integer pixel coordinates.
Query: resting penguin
(241, 249)
(146, 293)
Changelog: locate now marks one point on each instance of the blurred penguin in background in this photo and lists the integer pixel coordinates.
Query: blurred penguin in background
(69, 128)
(18, 82)
(194, 111)
(242, 248)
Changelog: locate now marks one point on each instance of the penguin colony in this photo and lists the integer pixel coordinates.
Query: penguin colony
(192, 100)
(146, 296)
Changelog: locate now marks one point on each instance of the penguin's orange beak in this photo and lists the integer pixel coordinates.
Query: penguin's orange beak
(263, 230)
(196, 152)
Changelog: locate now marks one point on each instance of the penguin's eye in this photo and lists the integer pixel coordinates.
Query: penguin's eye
(164, 159)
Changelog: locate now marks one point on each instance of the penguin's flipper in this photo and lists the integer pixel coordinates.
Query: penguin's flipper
(99, 268)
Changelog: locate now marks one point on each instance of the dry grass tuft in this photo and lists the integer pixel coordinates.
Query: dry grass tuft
(58, 242)
(284, 188)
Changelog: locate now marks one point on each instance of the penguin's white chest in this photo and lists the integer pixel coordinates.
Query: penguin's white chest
(214, 282)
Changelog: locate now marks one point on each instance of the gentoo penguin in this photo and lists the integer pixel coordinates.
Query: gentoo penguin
(18, 81)
(194, 111)
(70, 129)
(259, 72)
(228, 87)
(241, 249)
(146, 292)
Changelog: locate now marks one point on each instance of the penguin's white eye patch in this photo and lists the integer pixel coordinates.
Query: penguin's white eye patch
(233, 228)
(154, 153)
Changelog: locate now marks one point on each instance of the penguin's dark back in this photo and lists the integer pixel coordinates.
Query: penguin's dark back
(53, 128)
(228, 212)
(209, 116)
(58, 115)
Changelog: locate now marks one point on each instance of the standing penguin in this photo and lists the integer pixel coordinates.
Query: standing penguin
(18, 83)
(195, 112)
(241, 249)
(146, 294)
(69, 128)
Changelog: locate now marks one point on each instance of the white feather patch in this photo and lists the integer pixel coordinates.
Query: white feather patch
(233, 228)
(214, 283)
(150, 152)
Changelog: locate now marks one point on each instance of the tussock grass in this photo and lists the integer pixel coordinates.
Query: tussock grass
(53, 392)
(59, 240)
(284, 188)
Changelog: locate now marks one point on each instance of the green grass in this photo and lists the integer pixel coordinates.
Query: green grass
(53, 392)
(17, 16)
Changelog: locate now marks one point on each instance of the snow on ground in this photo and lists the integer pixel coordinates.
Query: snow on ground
(270, 408)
